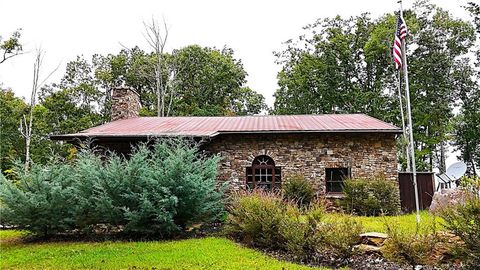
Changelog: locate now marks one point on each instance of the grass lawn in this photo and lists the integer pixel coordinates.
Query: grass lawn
(406, 223)
(10, 235)
(206, 253)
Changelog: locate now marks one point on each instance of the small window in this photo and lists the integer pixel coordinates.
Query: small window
(335, 178)
(263, 174)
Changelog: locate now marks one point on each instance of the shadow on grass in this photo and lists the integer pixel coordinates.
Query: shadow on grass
(12, 236)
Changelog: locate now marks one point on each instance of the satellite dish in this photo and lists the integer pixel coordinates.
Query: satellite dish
(456, 170)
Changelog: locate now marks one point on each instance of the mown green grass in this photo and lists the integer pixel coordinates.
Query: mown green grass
(406, 223)
(205, 253)
(6, 235)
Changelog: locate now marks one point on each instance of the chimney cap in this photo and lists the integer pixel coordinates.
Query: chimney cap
(118, 88)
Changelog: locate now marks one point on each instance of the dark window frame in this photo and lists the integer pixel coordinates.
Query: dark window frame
(271, 174)
(342, 172)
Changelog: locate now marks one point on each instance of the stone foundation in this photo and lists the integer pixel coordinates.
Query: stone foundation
(366, 154)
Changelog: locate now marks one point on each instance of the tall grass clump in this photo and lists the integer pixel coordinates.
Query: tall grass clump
(463, 220)
(299, 190)
(266, 220)
(255, 217)
(420, 248)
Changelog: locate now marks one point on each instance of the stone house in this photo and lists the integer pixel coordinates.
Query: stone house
(263, 151)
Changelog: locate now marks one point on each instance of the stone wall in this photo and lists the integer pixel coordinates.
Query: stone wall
(307, 154)
(125, 103)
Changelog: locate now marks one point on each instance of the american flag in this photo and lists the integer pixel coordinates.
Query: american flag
(397, 43)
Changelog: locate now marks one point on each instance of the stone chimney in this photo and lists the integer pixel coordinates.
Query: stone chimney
(125, 103)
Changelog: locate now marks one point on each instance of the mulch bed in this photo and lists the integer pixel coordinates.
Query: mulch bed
(360, 261)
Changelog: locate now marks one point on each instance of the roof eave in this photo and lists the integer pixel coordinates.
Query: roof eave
(66, 137)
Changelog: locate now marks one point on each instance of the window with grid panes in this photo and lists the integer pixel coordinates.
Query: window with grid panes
(334, 179)
(264, 174)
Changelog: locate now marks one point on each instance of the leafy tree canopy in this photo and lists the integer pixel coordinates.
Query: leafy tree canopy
(467, 131)
(200, 81)
(345, 65)
(11, 111)
(10, 47)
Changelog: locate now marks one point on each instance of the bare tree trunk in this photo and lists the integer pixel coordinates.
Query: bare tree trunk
(443, 156)
(172, 88)
(26, 128)
(157, 42)
(473, 168)
(27, 133)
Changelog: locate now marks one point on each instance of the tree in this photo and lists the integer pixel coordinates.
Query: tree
(26, 129)
(60, 112)
(474, 10)
(345, 65)
(74, 104)
(248, 102)
(209, 81)
(342, 67)
(157, 42)
(440, 41)
(195, 81)
(467, 132)
(12, 145)
(26, 124)
(10, 47)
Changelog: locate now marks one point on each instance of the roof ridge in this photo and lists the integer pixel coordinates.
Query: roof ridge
(250, 116)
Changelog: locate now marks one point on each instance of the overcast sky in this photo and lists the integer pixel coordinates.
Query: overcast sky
(253, 29)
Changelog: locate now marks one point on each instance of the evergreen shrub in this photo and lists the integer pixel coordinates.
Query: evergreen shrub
(43, 200)
(158, 190)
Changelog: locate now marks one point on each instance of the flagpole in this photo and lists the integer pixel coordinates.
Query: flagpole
(405, 139)
(410, 128)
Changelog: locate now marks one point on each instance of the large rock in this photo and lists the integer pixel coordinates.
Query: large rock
(447, 198)
(366, 248)
(373, 238)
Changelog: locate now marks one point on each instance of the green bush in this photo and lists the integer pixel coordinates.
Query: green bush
(371, 197)
(464, 221)
(299, 190)
(255, 218)
(156, 191)
(160, 191)
(44, 200)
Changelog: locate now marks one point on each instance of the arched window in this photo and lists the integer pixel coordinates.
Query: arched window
(263, 174)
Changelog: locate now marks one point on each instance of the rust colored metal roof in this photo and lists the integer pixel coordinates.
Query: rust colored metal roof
(213, 126)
